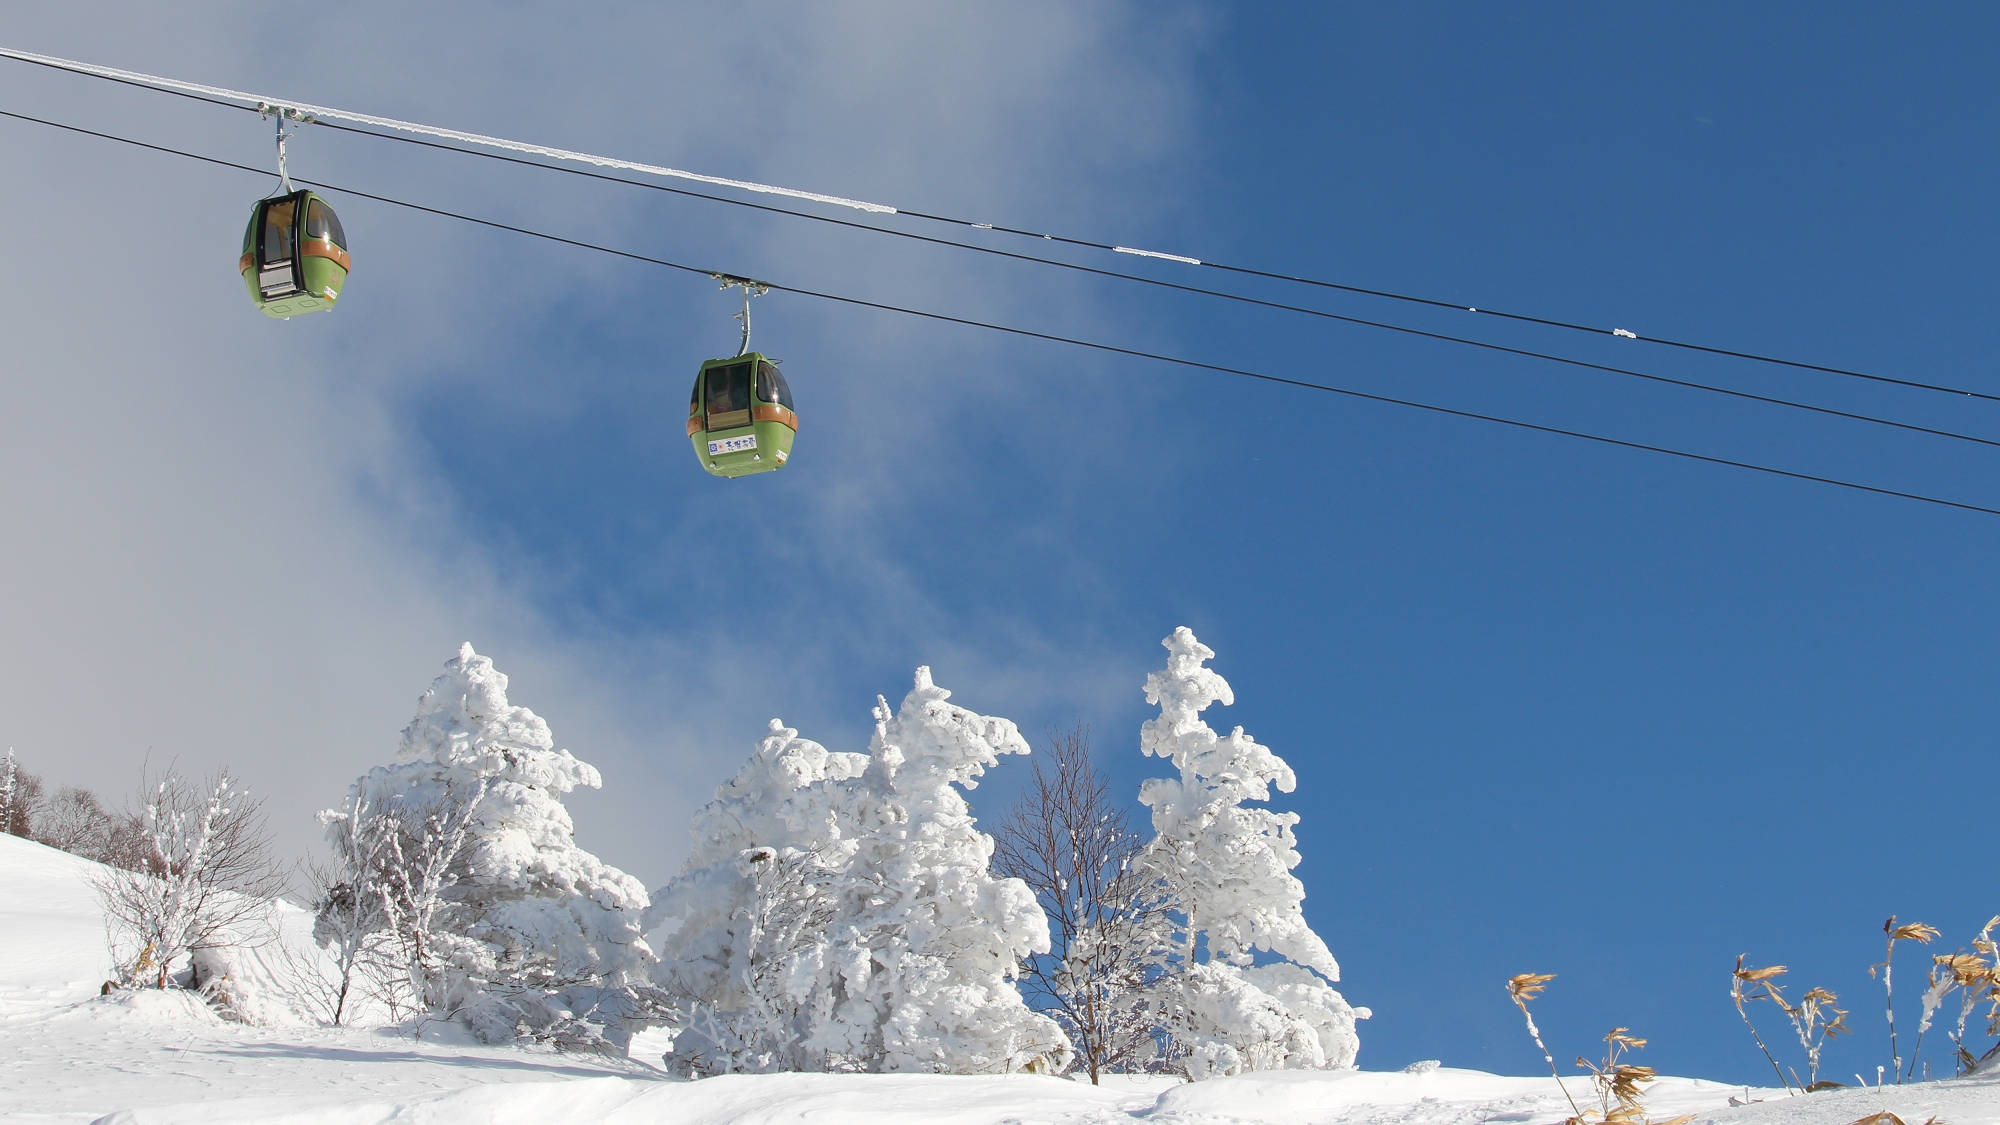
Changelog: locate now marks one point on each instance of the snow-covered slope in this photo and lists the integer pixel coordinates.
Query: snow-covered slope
(68, 1055)
(1442, 1097)
(51, 932)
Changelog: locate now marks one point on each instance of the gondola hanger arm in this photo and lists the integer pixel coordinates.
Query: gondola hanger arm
(280, 114)
(751, 288)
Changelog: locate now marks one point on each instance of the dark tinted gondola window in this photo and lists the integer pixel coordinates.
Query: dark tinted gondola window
(729, 396)
(321, 222)
(694, 398)
(278, 230)
(771, 386)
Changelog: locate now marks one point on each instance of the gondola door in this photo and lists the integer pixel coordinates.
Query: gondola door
(294, 255)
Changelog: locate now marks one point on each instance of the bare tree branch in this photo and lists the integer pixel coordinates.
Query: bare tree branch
(1075, 848)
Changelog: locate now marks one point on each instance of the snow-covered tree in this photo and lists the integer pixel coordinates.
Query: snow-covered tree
(1225, 872)
(931, 940)
(20, 793)
(754, 902)
(521, 933)
(353, 919)
(838, 911)
(388, 911)
(10, 805)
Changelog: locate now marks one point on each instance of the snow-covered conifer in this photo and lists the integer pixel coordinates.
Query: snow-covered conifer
(20, 794)
(8, 806)
(544, 937)
(930, 940)
(1226, 870)
(838, 911)
(754, 900)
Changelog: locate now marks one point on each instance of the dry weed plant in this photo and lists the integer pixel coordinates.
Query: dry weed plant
(1620, 1085)
(1976, 976)
(1620, 1091)
(1922, 935)
(1521, 988)
(1759, 982)
(1814, 1018)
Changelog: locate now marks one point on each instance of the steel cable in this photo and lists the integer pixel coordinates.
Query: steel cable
(218, 96)
(1049, 337)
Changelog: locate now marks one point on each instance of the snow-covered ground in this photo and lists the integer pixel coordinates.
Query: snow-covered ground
(70, 1055)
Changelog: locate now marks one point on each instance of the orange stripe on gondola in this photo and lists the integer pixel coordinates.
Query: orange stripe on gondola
(311, 248)
(775, 414)
(694, 425)
(324, 248)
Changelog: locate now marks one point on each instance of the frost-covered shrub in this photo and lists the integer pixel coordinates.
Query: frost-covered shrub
(205, 878)
(1312, 1001)
(838, 912)
(381, 910)
(1225, 873)
(503, 921)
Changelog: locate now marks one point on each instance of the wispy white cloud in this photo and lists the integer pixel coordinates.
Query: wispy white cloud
(231, 540)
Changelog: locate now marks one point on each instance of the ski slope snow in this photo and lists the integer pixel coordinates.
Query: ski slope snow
(69, 1055)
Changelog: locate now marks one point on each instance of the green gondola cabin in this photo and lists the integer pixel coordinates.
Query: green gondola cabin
(741, 417)
(294, 255)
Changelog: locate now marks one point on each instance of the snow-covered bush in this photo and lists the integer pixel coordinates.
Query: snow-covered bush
(1225, 873)
(837, 911)
(504, 923)
(351, 917)
(205, 880)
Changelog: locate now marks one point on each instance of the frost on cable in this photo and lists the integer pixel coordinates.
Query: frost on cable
(461, 864)
(1225, 872)
(837, 911)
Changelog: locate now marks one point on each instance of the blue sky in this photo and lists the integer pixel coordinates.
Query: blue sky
(1554, 706)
